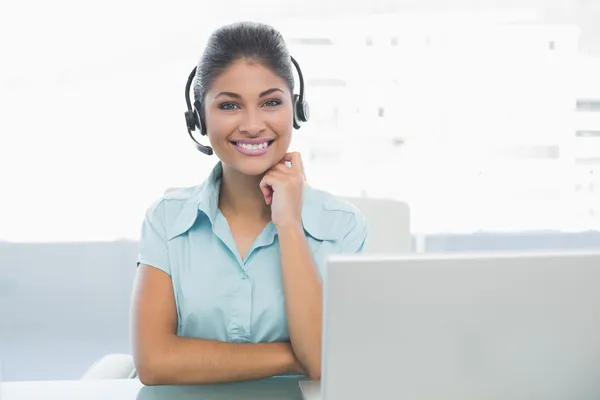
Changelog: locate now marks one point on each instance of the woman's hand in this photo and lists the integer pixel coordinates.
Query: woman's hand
(283, 188)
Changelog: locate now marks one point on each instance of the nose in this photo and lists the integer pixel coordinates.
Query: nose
(252, 122)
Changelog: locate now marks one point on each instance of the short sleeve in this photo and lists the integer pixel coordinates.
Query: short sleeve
(352, 235)
(355, 239)
(153, 241)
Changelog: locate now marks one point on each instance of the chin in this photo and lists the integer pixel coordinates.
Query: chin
(253, 167)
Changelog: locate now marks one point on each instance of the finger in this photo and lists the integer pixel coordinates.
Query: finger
(281, 168)
(267, 192)
(296, 160)
(266, 189)
(267, 184)
(268, 195)
(285, 162)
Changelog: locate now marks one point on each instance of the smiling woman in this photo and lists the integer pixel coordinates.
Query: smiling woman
(229, 280)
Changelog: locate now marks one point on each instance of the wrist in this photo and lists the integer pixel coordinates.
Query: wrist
(290, 228)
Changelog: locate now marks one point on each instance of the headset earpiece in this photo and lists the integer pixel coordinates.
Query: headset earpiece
(301, 112)
(191, 120)
(194, 121)
(198, 118)
(301, 109)
(297, 122)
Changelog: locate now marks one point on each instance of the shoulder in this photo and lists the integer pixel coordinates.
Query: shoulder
(173, 200)
(330, 217)
(174, 207)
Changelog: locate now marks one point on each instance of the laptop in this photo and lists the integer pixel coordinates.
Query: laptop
(461, 326)
(311, 390)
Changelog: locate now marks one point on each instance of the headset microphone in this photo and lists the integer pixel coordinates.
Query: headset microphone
(193, 118)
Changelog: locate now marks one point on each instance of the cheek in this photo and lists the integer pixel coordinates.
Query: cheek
(282, 123)
(218, 128)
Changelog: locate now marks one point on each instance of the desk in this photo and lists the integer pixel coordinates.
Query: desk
(279, 388)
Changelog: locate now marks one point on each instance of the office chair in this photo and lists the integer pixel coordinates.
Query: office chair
(388, 223)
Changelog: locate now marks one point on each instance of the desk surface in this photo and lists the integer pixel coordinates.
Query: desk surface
(280, 388)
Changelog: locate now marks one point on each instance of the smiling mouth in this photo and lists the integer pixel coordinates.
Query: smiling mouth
(253, 147)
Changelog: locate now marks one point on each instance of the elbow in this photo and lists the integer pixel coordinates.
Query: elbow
(153, 364)
(150, 371)
(149, 375)
(314, 374)
(312, 365)
(147, 379)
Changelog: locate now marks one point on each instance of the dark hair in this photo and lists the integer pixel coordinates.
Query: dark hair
(251, 40)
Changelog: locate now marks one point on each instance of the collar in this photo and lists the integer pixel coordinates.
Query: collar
(201, 199)
(204, 200)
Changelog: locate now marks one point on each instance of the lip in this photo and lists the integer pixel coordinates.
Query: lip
(251, 152)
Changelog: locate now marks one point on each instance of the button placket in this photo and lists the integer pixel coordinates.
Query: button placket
(247, 305)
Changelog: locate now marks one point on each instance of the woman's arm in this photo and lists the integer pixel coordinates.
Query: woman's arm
(163, 358)
(283, 189)
(303, 298)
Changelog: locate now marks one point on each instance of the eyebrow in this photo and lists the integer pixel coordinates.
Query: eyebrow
(237, 96)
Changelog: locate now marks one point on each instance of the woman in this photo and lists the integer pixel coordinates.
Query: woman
(228, 286)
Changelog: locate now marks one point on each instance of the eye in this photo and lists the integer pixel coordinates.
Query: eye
(272, 103)
(228, 106)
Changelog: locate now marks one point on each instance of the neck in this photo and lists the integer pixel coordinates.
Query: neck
(240, 194)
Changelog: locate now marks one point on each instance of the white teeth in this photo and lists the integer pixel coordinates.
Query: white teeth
(253, 146)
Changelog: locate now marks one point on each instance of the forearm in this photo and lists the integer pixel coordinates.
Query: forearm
(303, 298)
(184, 361)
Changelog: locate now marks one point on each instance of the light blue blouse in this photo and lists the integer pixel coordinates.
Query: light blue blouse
(218, 295)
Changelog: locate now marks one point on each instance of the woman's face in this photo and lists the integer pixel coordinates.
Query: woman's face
(248, 117)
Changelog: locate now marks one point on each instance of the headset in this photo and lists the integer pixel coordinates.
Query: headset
(193, 118)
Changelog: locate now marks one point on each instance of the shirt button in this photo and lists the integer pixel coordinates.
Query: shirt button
(243, 275)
